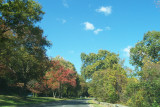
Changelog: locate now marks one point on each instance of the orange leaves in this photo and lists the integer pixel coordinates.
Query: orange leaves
(59, 75)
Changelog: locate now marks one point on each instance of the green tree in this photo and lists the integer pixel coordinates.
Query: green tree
(108, 85)
(106, 74)
(148, 47)
(19, 16)
(145, 92)
(22, 44)
(95, 62)
(82, 86)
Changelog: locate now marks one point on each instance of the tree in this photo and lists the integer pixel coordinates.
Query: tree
(148, 47)
(145, 91)
(19, 16)
(83, 87)
(35, 87)
(106, 74)
(22, 44)
(95, 62)
(64, 63)
(108, 85)
(58, 76)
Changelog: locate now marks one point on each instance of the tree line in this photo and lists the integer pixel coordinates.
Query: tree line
(24, 65)
(110, 81)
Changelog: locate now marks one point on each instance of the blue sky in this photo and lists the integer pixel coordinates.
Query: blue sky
(76, 26)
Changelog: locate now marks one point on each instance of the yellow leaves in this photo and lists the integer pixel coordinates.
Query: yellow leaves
(129, 102)
(137, 99)
(110, 82)
(133, 80)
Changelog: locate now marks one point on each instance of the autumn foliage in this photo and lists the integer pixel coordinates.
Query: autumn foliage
(59, 76)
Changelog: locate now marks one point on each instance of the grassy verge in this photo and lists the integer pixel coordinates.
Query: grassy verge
(93, 104)
(17, 101)
(79, 98)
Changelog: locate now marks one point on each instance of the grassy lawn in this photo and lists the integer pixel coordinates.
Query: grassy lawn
(15, 101)
(93, 104)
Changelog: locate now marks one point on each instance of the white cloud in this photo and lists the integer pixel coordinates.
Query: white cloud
(88, 26)
(65, 4)
(106, 10)
(63, 21)
(127, 51)
(108, 28)
(97, 31)
(71, 52)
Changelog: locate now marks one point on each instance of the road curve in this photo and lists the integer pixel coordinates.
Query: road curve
(65, 103)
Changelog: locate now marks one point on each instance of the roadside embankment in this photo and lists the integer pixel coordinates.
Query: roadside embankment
(94, 103)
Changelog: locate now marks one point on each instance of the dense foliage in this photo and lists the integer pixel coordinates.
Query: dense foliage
(95, 62)
(22, 44)
(61, 80)
(110, 81)
(108, 78)
(144, 91)
(24, 65)
(148, 47)
(58, 76)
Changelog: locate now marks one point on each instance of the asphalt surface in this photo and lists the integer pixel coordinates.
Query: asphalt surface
(66, 103)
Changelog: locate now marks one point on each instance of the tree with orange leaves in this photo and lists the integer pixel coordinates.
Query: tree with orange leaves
(59, 76)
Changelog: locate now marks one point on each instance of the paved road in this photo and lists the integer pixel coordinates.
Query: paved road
(66, 103)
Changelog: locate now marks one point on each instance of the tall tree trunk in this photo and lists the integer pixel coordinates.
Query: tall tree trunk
(46, 95)
(60, 90)
(24, 89)
(54, 94)
(33, 94)
(36, 95)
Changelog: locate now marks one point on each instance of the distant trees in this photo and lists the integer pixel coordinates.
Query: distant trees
(82, 87)
(60, 80)
(36, 87)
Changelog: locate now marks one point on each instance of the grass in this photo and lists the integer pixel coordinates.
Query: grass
(93, 104)
(8, 101)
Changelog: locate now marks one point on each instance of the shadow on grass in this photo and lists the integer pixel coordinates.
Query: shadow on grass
(38, 101)
(76, 102)
(15, 101)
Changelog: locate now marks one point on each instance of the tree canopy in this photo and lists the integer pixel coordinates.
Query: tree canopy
(95, 62)
(148, 47)
(107, 76)
(22, 43)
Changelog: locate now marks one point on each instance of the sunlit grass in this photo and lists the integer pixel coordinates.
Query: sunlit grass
(15, 101)
(93, 104)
